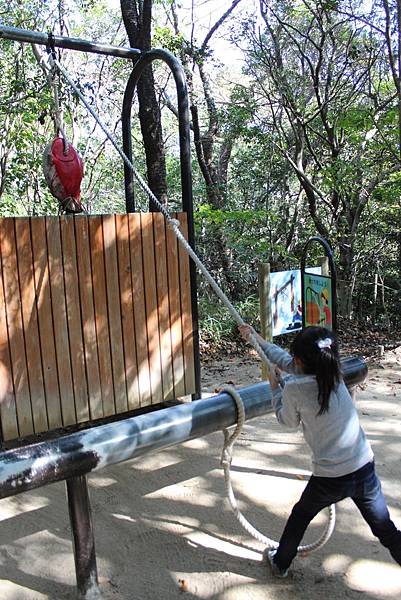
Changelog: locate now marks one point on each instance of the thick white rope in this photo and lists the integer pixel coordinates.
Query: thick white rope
(226, 459)
(49, 69)
(175, 226)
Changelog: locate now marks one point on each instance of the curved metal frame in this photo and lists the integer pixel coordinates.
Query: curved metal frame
(168, 58)
(183, 123)
(333, 275)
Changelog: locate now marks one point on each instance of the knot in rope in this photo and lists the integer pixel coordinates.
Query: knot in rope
(226, 457)
(173, 224)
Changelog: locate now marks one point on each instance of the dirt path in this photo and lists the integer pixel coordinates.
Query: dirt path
(164, 530)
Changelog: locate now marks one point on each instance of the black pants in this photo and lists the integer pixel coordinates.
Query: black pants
(363, 487)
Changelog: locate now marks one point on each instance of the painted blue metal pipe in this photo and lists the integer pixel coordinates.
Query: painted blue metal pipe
(78, 453)
(40, 463)
(37, 37)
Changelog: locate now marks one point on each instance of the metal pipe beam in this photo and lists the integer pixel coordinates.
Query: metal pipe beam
(37, 37)
(76, 454)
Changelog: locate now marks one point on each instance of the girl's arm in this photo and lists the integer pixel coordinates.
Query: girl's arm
(274, 353)
(285, 407)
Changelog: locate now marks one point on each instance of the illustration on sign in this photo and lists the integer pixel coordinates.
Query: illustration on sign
(318, 300)
(286, 303)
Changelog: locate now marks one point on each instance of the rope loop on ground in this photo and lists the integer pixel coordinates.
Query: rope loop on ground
(226, 460)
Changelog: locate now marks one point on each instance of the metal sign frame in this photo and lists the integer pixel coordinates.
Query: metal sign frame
(333, 276)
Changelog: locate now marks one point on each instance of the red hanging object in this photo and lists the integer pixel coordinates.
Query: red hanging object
(63, 170)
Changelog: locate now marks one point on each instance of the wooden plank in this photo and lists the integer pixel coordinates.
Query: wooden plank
(101, 317)
(186, 310)
(152, 320)
(138, 290)
(127, 311)
(113, 300)
(75, 333)
(88, 317)
(163, 305)
(30, 324)
(59, 312)
(175, 313)
(15, 327)
(8, 409)
(46, 331)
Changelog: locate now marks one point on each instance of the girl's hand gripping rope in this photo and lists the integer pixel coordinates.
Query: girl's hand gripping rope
(246, 331)
(275, 377)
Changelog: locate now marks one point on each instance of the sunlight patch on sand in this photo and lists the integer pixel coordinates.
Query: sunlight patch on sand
(9, 589)
(101, 482)
(205, 540)
(17, 505)
(336, 564)
(375, 577)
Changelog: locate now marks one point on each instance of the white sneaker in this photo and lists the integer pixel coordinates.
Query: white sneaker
(276, 571)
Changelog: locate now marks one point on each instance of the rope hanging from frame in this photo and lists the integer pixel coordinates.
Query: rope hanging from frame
(63, 167)
(175, 226)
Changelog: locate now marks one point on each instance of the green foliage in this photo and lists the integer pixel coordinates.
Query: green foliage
(270, 118)
(163, 37)
(217, 327)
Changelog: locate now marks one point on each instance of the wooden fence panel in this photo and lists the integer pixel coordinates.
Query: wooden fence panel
(152, 315)
(186, 311)
(8, 408)
(36, 345)
(127, 312)
(163, 304)
(95, 319)
(45, 312)
(175, 313)
(114, 313)
(88, 317)
(101, 317)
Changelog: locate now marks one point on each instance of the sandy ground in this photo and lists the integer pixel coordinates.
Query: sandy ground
(164, 530)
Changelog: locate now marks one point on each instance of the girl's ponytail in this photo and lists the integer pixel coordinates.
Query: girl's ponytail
(317, 349)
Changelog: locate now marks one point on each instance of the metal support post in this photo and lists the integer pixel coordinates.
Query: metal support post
(82, 537)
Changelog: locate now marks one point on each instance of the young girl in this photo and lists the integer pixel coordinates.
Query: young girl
(316, 397)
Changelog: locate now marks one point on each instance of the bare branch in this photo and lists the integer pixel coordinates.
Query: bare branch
(218, 24)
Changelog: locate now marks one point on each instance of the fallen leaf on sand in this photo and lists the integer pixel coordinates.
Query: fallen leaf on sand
(182, 584)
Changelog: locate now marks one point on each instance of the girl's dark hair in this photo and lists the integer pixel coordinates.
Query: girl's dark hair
(317, 348)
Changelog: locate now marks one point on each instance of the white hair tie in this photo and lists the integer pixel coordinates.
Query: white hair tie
(326, 343)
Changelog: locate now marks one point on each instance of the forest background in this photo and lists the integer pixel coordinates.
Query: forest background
(295, 124)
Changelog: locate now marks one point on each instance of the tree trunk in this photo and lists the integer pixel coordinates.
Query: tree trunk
(137, 17)
(344, 282)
